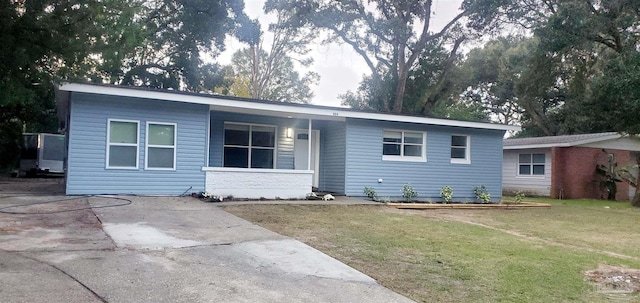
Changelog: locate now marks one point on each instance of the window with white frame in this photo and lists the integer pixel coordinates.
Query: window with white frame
(531, 164)
(460, 152)
(400, 145)
(161, 146)
(122, 144)
(249, 145)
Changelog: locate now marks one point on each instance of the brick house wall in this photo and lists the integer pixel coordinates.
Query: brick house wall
(574, 172)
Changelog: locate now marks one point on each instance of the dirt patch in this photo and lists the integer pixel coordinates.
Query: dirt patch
(611, 279)
(41, 186)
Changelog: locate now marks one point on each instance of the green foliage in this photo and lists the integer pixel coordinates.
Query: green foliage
(519, 197)
(145, 43)
(446, 193)
(482, 194)
(371, 193)
(385, 34)
(408, 192)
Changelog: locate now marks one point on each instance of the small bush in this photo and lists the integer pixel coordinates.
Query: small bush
(446, 193)
(482, 194)
(371, 193)
(519, 197)
(408, 192)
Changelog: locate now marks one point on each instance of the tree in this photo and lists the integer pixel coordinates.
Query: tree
(271, 75)
(40, 42)
(150, 43)
(162, 43)
(585, 48)
(278, 82)
(390, 36)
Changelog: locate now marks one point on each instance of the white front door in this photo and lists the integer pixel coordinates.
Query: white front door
(301, 152)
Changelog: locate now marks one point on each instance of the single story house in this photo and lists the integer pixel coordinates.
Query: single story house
(127, 140)
(565, 166)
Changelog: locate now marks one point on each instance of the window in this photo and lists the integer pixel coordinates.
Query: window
(531, 164)
(161, 146)
(460, 149)
(249, 146)
(400, 145)
(122, 144)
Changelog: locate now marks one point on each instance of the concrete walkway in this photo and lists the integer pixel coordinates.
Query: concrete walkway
(163, 250)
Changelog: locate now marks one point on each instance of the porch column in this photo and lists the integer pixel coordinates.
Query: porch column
(309, 152)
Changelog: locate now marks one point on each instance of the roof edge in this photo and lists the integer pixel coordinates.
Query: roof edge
(566, 144)
(232, 102)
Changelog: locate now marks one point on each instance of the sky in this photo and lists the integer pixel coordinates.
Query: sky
(339, 67)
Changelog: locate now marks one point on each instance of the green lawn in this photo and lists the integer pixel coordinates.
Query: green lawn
(524, 255)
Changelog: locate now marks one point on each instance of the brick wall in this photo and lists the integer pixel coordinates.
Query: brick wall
(574, 172)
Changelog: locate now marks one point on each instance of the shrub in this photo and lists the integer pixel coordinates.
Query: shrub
(371, 193)
(408, 192)
(482, 194)
(519, 196)
(446, 193)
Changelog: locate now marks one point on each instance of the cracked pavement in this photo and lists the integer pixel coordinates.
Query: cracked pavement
(158, 249)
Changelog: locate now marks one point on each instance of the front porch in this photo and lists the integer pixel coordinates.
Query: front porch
(258, 183)
(272, 155)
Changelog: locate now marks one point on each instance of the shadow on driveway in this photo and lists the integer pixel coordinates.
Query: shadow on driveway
(158, 249)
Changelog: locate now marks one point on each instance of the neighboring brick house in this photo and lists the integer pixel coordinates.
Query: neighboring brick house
(565, 166)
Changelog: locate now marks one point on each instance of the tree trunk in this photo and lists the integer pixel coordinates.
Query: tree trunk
(636, 198)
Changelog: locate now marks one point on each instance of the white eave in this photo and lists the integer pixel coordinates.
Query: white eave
(564, 144)
(279, 109)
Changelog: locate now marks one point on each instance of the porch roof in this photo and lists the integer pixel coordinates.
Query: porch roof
(271, 108)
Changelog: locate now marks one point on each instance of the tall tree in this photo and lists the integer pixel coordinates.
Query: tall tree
(270, 74)
(162, 43)
(390, 36)
(581, 43)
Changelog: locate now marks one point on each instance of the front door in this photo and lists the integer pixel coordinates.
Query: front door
(301, 152)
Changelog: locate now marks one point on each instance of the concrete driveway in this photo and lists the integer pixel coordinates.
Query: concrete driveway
(158, 250)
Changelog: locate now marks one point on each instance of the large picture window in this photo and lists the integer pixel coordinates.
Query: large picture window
(161, 146)
(398, 145)
(249, 146)
(122, 144)
(460, 149)
(531, 164)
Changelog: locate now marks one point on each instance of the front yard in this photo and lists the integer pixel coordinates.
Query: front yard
(523, 255)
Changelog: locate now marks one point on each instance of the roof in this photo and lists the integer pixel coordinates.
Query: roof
(254, 106)
(560, 141)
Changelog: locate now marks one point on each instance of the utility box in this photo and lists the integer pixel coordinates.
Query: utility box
(42, 155)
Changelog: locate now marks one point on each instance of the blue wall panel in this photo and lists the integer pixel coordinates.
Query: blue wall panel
(332, 156)
(87, 146)
(284, 153)
(364, 164)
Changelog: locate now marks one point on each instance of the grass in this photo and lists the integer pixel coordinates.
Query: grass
(524, 255)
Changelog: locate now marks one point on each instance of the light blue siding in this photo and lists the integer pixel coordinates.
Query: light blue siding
(87, 146)
(364, 164)
(284, 145)
(332, 157)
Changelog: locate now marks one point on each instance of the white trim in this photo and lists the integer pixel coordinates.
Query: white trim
(250, 146)
(208, 140)
(316, 167)
(564, 144)
(223, 104)
(257, 170)
(467, 156)
(402, 157)
(137, 145)
(174, 146)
